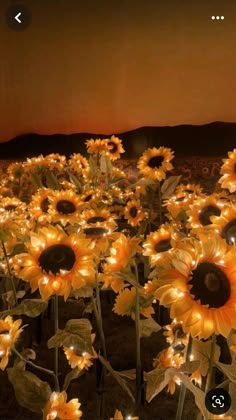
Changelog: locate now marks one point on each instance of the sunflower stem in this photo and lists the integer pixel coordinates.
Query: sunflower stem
(139, 379)
(182, 393)
(210, 370)
(28, 362)
(55, 302)
(10, 273)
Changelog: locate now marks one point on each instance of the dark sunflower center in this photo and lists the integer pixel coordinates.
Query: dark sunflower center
(155, 162)
(133, 212)
(114, 146)
(44, 205)
(207, 212)
(229, 232)
(179, 199)
(163, 245)
(65, 207)
(178, 331)
(10, 207)
(96, 219)
(56, 258)
(88, 197)
(95, 232)
(210, 285)
(5, 332)
(189, 191)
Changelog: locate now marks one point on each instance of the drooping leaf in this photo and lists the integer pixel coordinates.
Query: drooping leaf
(129, 374)
(30, 391)
(116, 375)
(157, 380)
(169, 186)
(77, 333)
(197, 392)
(228, 370)
(189, 367)
(148, 326)
(73, 374)
(202, 352)
(29, 307)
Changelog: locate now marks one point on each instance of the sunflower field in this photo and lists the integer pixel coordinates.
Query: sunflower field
(77, 231)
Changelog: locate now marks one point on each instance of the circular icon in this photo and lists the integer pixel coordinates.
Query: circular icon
(218, 401)
(18, 17)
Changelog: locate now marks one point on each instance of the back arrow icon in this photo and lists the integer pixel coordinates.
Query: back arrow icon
(17, 17)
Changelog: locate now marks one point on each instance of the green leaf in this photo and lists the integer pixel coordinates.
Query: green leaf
(202, 352)
(189, 367)
(77, 333)
(52, 181)
(73, 374)
(29, 307)
(30, 391)
(197, 392)
(148, 326)
(18, 249)
(228, 370)
(116, 375)
(157, 380)
(129, 374)
(169, 186)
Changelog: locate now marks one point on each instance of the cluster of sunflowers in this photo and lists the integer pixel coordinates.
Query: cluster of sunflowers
(75, 227)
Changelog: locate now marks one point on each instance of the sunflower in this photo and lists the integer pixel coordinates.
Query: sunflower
(133, 212)
(77, 359)
(58, 408)
(65, 207)
(97, 218)
(39, 205)
(159, 243)
(122, 251)
(168, 358)
(88, 197)
(189, 189)
(201, 289)
(55, 262)
(115, 148)
(10, 204)
(15, 170)
(97, 146)
(79, 164)
(175, 335)
(178, 204)
(117, 173)
(125, 304)
(55, 161)
(228, 170)
(9, 333)
(200, 212)
(225, 225)
(154, 163)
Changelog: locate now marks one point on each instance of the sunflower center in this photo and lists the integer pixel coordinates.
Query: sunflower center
(95, 231)
(163, 245)
(207, 212)
(44, 205)
(210, 285)
(56, 258)
(178, 331)
(133, 212)
(96, 219)
(88, 197)
(155, 162)
(10, 207)
(113, 146)
(65, 207)
(229, 232)
(189, 191)
(179, 199)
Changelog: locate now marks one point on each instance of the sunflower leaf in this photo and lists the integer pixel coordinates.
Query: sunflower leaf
(73, 374)
(228, 370)
(116, 375)
(77, 333)
(29, 307)
(148, 326)
(30, 391)
(157, 380)
(197, 392)
(169, 186)
(202, 352)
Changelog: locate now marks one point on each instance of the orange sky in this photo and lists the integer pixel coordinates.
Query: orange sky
(108, 66)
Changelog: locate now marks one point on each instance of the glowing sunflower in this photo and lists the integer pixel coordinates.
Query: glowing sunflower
(15, 170)
(89, 197)
(225, 225)
(175, 335)
(154, 163)
(178, 204)
(55, 161)
(125, 304)
(97, 218)
(189, 189)
(55, 262)
(202, 289)
(117, 173)
(159, 243)
(228, 170)
(97, 146)
(78, 359)
(79, 163)
(167, 358)
(115, 148)
(10, 204)
(58, 408)
(9, 333)
(134, 213)
(65, 207)
(200, 212)
(39, 205)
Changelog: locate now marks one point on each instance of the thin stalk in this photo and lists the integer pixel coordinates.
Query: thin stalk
(100, 327)
(210, 370)
(55, 302)
(182, 393)
(138, 344)
(42, 369)
(9, 273)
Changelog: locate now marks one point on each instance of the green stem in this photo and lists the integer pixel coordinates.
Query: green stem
(210, 370)
(182, 393)
(100, 327)
(49, 372)
(138, 344)
(9, 273)
(55, 301)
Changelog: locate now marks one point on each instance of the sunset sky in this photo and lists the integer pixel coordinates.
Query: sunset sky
(110, 66)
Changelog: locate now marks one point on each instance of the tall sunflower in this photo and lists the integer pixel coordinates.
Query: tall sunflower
(159, 243)
(228, 170)
(154, 163)
(97, 146)
(202, 209)
(79, 164)
(10, 204)
(225, 225)
(9, 333)
(168, 358)
(97, 218)
(134, 213)
(39, 205)
(56, 262)
(58, 408)
(201, 289)
(115, 148)
(65, 207)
